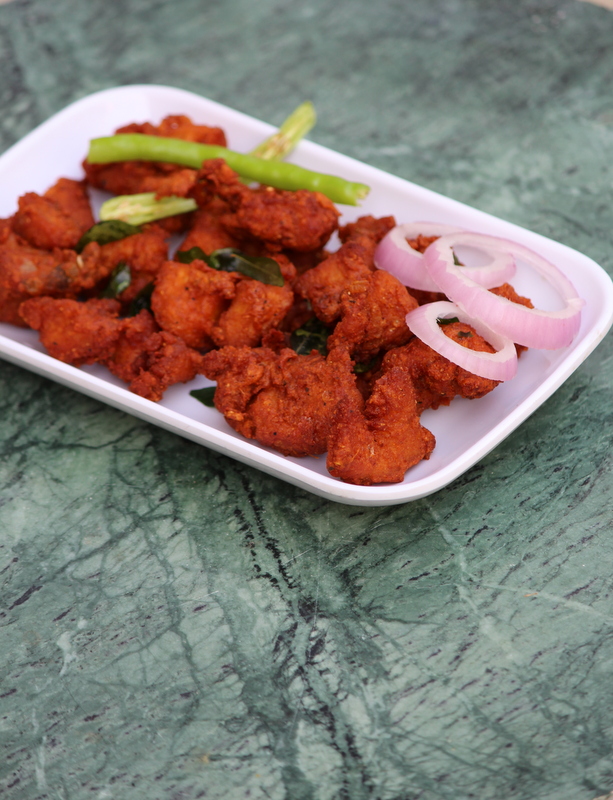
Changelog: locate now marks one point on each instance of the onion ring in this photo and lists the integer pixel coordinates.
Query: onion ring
(395, 255)
(498, 366)
(531, 327)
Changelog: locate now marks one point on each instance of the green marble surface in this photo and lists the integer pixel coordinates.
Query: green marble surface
(177, 625)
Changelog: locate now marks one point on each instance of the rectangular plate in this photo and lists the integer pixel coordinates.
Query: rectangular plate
(465, 431)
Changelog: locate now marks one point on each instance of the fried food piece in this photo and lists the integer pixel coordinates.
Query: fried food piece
(255, 309)
(27, 272)
(56, 219)
(207, 230)
(379, 443)
(133, 349)
(144, 253)
(373, 316)
(73, 332)
(132, 177)
(367, 231)
(128, 358)
(189, 299)
(282, 400)
(437, 380)
(166, 360)
(295, 220)
(324, 285)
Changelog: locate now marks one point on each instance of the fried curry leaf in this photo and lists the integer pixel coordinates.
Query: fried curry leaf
(229, 259)
(205, 396)
(104, 232)
(263, 269)
(313, 335)
(446, 320)
(365, 367)
(187, 256)
(119, 280)
(142, 301)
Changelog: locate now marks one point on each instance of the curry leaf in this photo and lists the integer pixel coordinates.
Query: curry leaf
(142, 301)
(205, 396)
(119, 280)
(105, 232)
(313, 335)
(261, 268)
(187, 256)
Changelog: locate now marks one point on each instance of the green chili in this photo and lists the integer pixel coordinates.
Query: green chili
(138, 209)
(281, 175)
(291, 131)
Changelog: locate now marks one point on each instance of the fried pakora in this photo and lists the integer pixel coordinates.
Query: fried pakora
(283, 400)
(296, 220)
(381, 441)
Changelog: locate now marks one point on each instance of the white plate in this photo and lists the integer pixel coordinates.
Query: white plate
(465, 431)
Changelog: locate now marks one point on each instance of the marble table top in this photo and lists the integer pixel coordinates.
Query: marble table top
(174, 624)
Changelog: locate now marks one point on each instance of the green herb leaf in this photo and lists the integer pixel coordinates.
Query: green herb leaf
(142, 301)
(263, 269)
(446, 320)
(360, 368)
(260, 268)
(187, 256)
(104, 232)
(119, 280)
(205, 396)
(313, 335)
(464, 334)
(457, 261)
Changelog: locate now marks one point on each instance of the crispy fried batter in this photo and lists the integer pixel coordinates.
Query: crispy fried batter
(255, 309)
(324, 285)
(379, 443)
(56, 219)
(133, 349)
(167, 360)
(283, 400)
(373, 316)
(207, 230)
(77, 333)
(188, 300)
(27, 272)
(437, 380)
(367, 230)
(297, 220)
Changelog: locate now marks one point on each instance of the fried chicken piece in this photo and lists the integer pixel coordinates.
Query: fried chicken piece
(255, 309)
(144, 253)
(56, 219)
(373, 316)
(437, 380)
(282, 400)
(379, 443)
(167, 360)
(367, 231)
(324, 285)
(295, 220)
(207, 230)
(128, 358)
(189, 299)
(133, 349)
(73, 332)
(132, 177)
(27, 272)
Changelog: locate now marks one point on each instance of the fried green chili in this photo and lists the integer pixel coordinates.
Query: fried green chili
(141, 147)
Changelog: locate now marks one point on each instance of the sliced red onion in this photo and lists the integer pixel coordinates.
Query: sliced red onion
(531, 327)
(395, 255)
(498, 366)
